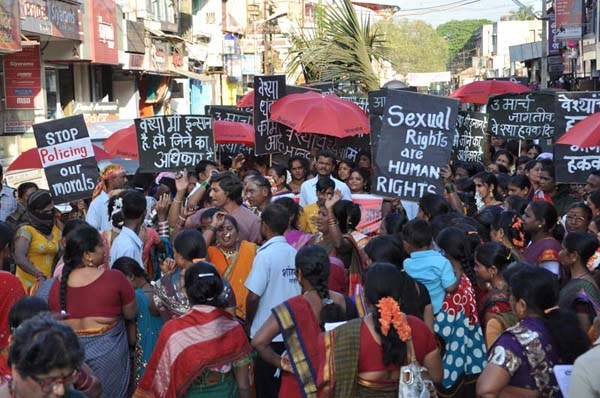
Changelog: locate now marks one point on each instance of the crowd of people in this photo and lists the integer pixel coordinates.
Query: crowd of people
(249, 279)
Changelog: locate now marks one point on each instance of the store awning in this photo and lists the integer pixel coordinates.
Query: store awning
(188, 74)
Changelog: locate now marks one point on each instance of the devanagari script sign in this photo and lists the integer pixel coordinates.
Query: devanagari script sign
(231, 114)
(471, 128)
(573, 164)
(522, 116)
(415, 143)
(174, 142)
(267, 90)
(67, 156)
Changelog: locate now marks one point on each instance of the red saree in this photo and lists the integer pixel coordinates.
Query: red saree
(11, 291)
(300, 330)
(202, 339)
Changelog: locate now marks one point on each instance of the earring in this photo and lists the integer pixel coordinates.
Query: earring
(539, 226)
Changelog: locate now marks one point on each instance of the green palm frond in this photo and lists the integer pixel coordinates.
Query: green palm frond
(341, 48)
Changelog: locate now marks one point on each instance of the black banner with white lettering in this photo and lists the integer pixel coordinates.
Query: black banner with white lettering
(174, 142)
(231, 114)
(267, 90)
(68, 159)
(573, 164)
(416, 141)
(522, 116)
(471, 128)
(291, 143)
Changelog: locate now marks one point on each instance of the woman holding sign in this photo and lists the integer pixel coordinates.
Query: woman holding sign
(37, 242)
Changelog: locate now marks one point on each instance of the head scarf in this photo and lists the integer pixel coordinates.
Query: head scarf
(35, 214)
(11, 291)
(107, 173)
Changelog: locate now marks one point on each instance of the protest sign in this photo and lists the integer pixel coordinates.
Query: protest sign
(231, 114)
(370, 213)
(522, 116)
(573, 164)
(290, 143)
(67, 156)
(416, 141)
(174, 142)
(471, 128)
(267, 90)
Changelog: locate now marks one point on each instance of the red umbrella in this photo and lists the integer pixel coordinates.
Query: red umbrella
(584, 134)
(123, 144)
(312, 112)
(233, 133)
(247, 101)
(478, 92)
(30, 159)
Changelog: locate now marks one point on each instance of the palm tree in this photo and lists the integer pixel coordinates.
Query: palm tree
(341, 48)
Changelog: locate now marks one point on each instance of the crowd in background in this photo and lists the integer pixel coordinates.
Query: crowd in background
(246, 278)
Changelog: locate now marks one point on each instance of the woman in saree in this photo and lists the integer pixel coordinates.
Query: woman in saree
(580, 294)
(520, 362)
(96, 303)
(373, 369)
(457, 323)
(215, 360)
(148, 322)
(300, 321)
(539, 221)
(335, 226)
(233, 259)
(11, 290)
(294, 235)
(491, 260)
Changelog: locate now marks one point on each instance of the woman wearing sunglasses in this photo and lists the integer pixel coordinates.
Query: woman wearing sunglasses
(44, 358)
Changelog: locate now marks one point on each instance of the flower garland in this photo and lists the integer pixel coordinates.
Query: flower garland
(390, 314)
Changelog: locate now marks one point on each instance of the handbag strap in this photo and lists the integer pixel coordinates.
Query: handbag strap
(410, 352)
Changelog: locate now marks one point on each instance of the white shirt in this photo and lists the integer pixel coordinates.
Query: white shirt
(308, 190)
(127, 244)
(273, 278)
(97, 215)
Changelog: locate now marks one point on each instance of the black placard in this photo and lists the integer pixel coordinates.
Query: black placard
(471, 128)
(174, 142)
(229, 113)
(573, 164)
(291, 143)
(522, 116)
(416, 141)
(267, 90)
(361, 102)
(67, 156)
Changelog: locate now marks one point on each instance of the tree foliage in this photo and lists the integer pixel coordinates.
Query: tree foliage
(415, 46)
(340, 48)
(524, 13)
(458, 34)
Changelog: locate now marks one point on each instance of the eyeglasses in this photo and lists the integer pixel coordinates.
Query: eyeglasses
(575, 219)
(48, 385)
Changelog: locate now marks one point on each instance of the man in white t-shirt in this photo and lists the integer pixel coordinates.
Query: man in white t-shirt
(325, 165)
(272, 281)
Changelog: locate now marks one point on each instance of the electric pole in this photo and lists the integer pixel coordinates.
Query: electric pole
(544, 63)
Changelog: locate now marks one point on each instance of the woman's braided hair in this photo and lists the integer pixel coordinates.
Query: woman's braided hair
(313, 263)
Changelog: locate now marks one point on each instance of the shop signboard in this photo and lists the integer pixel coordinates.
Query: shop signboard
(103, 32)
(569, 19)
(10, 26)
(22, 79)
(97, 112)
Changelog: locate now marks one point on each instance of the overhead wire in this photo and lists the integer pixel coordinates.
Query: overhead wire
(442, 7)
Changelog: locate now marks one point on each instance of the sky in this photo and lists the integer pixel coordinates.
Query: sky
(437, 12)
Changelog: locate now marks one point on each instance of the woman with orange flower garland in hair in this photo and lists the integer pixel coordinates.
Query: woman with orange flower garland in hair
(299, 321)
(507, 229)
(373, 370)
